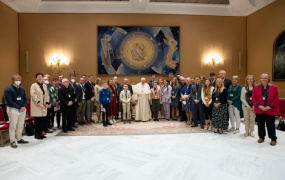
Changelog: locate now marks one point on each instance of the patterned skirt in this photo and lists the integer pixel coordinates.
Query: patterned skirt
(187, 106)
(220, 117)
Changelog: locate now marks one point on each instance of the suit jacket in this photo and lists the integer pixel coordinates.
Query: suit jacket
(80, 92)
(88, 90)
(151, 84)
(123, 97)
(196, 95)
(272, 99)
(227, 83)
(76, 90)
(65, 95)
(129, 88)
(117, 91)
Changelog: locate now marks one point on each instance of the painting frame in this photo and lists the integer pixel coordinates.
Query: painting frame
(152, 68)
(278, 72)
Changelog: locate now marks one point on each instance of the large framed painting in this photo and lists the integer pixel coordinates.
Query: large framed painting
(279, 58)
(138, 50)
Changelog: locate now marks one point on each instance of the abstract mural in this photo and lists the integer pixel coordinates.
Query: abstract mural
(279, 58)
(138, 50)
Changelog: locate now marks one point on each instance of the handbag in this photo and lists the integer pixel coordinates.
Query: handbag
(30, 128)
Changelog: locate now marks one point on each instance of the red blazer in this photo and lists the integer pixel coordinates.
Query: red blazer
(272, 99)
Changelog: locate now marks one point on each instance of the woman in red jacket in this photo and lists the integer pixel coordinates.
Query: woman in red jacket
(265, 99)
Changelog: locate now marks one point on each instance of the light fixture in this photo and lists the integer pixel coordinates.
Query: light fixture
(214, 60)
(58, 60)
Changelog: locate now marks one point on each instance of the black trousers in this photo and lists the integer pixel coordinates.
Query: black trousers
(74, 112)
(67, 118)
(46, 121)
(105, 115)
(39, 124)
(270, 124)
(58, 116)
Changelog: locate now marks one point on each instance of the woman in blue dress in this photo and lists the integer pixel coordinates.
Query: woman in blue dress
(186, 101)
(174, 98)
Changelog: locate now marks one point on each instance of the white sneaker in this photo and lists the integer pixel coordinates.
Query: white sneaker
(236, 131)
(114, 121)
(110, 121)
(210, 128)
(206, 127)
(232, 129)
(252, 134)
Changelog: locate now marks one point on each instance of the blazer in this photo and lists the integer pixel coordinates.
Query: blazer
(75, 88)
(121, 88)
(272, 99)
(196, 95)
(123, 97)
(80, 92)
(65, 95)
(38, 96)
(220, 97)
(166, 94)
(150, 83)
(117, 91)
(88, 90)
(97, 89)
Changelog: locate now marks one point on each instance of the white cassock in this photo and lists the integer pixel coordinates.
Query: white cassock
(142, 94)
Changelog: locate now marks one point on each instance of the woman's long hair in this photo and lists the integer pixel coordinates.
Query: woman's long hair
(222, 87)
(205, 87)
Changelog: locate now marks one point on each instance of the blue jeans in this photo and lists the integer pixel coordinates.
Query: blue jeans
(198, 111)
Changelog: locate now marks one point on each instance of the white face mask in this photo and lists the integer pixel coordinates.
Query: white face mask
(18, 83)
(46, 82)
(72, 80)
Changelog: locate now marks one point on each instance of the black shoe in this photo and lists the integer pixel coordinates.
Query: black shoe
(202, 127)
(38, 136)
(80, 123)
(194, 125)
(43, 136)
(13, 145)
(109, 124)
(105, 125)
(65, 131)
(22, 141)
(71, 129)
(84, 122)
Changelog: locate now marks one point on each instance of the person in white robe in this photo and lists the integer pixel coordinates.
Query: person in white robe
(142, 99)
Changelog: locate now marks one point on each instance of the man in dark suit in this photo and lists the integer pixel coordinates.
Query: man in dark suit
(72, 84)
(90, 97)
(196, 100)
(126, 81)
(117, 87)
(81, 102)
(222, 75)
(213, 78)
(151, 81)
(66, 98)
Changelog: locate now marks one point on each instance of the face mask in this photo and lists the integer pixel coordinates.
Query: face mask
(46, 81)
(72, 80)
(18, 83)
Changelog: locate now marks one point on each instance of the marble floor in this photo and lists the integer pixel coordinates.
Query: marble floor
(145, 157)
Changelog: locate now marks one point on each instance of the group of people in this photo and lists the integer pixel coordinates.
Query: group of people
(211, 102)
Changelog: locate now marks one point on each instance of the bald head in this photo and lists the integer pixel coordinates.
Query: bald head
(222, 74)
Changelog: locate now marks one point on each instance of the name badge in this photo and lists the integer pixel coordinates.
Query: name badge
(231, 95)
(113, 94)
(217, 99)
(250, 98)
(263, 98)
(172, 91)
(206, 98)
(107, 99)
(69, 95)
(19, 98)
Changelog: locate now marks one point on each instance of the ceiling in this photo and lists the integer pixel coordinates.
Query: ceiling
(186, 7)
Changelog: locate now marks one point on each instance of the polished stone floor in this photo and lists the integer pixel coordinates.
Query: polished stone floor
(145, 157)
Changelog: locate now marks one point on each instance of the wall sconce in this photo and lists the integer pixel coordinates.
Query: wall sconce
(214, 60)
(58, 60)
